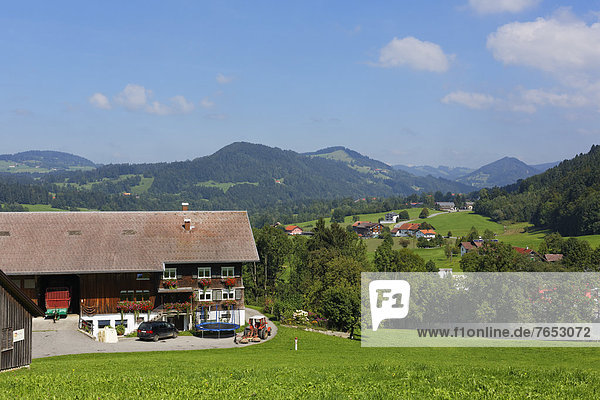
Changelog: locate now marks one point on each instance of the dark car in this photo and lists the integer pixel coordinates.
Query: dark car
(156, 330)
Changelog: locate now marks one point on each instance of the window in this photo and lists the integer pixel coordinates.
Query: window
(17, 282)
(136, 295)
(228, 294)
(103, 322)
(29, 284)
(145, 276)
(170, 273)
(127, 295)
(227, 272)
(205, 296)
(203, 272)
(6, 341)
(124, 323)
(142, 295)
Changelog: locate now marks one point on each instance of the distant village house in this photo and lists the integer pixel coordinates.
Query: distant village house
(293, 230)
(367, 229)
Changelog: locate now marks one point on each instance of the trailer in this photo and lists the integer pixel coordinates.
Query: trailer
(58, 300)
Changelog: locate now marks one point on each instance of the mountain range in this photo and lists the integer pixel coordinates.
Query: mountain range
(505, 171)
(263, 171)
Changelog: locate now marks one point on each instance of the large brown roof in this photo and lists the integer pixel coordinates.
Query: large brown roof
(88, 242)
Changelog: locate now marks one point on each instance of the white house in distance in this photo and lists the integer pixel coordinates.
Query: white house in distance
(390, 218)
(425, 233)
(293, 230)
(406, 229)
(446, 206)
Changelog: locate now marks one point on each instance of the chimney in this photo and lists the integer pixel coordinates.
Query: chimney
(187, 224)
(185, 206)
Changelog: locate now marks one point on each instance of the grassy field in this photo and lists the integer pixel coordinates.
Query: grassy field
(41, 207)
(373, 217)
(225, 186)
(324, 367)
(143, 187)
(517, 234)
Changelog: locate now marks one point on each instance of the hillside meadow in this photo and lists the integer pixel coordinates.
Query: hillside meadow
(324, 367)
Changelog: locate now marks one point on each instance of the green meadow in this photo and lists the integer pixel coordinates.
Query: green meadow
(519, 234)
(373, 217)
(324, 367)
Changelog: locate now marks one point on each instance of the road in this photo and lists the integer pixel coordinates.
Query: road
(61, 338)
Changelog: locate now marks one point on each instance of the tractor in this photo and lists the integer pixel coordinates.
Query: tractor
(256, 330)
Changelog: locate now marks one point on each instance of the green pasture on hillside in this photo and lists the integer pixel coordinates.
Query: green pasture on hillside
(324, 367)
(41, 207)
(373, 217)
(224, 186)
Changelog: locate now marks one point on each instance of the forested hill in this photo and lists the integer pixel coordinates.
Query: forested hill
(565, 198)
(244, 172)
(502, 172)
(268, 182)
(42, 161)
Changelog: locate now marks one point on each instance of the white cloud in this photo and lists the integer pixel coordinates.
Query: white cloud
(414, 53)
(222, 79)
(157, 108)
(501, 6)
(133, 97)
(137, 98)
(522, 101)
(99, 100)
(542, 97)
(206, 103)
(476, 101)
(180, 105)
(177, 105)
(561, 44)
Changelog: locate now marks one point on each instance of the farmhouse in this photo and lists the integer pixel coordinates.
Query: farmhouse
(445, 206)
(367, 229)
(390, 218)
(16, 311)
(552, 257)
(526, 252)
(149, 265)
(293, 230)
(426, 233)
(407, 229)
(466, 247)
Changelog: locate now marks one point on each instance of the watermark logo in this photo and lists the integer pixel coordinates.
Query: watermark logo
(389, 300)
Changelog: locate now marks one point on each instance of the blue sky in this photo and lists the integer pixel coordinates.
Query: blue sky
(459, 83)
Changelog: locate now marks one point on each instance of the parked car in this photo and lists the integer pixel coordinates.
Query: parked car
(156, 330)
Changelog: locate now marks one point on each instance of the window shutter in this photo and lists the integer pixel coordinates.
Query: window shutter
(238, 294)
(7, 339)
(218, 295)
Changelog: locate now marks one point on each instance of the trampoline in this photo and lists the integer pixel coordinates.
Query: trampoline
(216, 326)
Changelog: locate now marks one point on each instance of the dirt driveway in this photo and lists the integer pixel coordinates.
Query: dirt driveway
(55, 339)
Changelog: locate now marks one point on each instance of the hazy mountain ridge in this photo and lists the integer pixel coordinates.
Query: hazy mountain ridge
(505, 171)
(565, 198)
(442, 171)
(43, 161)
(502, 172)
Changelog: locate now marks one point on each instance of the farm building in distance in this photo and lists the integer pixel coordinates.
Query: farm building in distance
(367, 229)
(16, 311)
(293, 230)
(406, 229)
(150, 265)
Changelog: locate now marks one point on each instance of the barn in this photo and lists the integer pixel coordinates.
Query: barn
(16, 311)
(129, 267)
